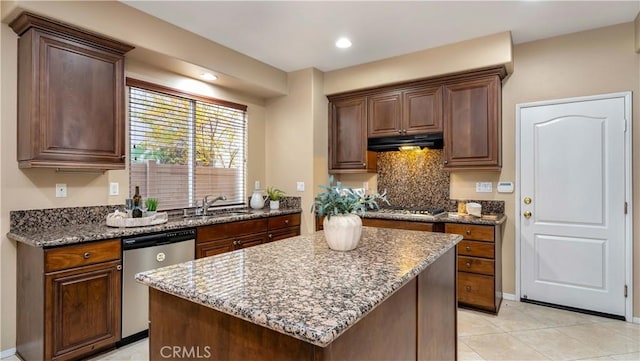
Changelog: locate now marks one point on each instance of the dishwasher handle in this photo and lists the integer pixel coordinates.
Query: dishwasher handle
(157, 239)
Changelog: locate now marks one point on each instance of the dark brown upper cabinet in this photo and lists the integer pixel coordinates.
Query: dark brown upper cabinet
(472, 134)
(71, 104)
(348, 136)
(415, 110)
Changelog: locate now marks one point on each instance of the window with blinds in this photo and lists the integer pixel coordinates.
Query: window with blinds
(184, 147)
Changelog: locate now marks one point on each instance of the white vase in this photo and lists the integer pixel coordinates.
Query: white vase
(274, 204)
(342, 231)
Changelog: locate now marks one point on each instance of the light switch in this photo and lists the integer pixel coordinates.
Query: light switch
(114, 188)
(300, 186)
(61, 190)
(484, 187)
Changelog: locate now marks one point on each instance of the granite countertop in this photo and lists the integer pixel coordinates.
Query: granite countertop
(448, 217)
(300, 287)
(86, 232)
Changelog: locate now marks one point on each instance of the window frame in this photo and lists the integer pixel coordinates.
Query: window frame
(132, 82)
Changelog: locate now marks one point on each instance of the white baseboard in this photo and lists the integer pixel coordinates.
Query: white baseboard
(509, 296)
(7, 353)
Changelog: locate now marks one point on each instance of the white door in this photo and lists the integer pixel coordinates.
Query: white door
(573, 185)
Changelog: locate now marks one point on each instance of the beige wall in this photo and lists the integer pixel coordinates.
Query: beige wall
(293, 152)
(476, 53)
(585, 63)
(158, 41)
(34, 188)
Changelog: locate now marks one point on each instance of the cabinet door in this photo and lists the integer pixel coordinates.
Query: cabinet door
(82, 310)
(348, 137)
(208, 249)
(384, 114)
(422, 110)
(472, 134)
(75, 116)
(250, 240)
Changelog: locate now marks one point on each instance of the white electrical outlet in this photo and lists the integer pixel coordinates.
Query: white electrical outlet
(256, 185)
(365, 186)
(300, 186)
(114, 188)
(61, 190)
(484, 187)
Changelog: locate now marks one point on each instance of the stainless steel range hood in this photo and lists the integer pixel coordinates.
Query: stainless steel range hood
(432, 141)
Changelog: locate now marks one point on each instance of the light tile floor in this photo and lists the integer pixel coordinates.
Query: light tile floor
(521, 331)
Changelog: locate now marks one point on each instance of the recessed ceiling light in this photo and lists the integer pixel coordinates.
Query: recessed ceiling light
(208, 76)
(343, 43)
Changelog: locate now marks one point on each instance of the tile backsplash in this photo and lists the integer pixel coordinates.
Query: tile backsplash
(414, 178)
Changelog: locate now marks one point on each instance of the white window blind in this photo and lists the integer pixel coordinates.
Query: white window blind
(184, 147)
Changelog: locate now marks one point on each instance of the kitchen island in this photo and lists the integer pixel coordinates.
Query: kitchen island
(393, 297)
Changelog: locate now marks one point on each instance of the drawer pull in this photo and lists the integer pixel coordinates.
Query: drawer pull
(468, 248)
(86, 255)
(270, 235)
(119, 267)
(468, 232)
(286, 221)
(468, 288)
(468, 264)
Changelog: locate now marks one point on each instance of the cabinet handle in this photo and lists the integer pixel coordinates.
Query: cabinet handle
(364, 164)
(468, 248)
(468, 265)
(446, 162)
(468, 232)
(286, 221)
(468, 288)
(119, 267)
(399, 131)
(270, 235)
(235, 243)
(86, 255)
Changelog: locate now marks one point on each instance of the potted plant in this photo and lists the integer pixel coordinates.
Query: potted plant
(341, 207)
(274, 195)
(152, 205)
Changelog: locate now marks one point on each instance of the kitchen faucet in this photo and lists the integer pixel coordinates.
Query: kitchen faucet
(206, 203)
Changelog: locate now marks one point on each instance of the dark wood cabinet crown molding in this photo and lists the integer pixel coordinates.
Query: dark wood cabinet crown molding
(26, 21)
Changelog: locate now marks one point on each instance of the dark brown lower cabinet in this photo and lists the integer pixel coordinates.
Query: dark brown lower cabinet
(417, 322)
(479, 266)
(68, 300)
(84, 310)
(226, 237)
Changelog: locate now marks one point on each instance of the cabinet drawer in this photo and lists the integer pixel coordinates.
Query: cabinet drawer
(288, 220)
(476, 290)
(476, 265)
(81, 255)
(472, 232)
(388, 223)
(476, 249)
(228, 230)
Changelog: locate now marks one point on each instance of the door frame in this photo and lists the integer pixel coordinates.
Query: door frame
(628, 189)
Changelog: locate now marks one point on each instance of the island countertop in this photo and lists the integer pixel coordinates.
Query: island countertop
(300, 287)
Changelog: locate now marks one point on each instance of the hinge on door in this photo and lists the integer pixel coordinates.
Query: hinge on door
(625, 207)
(625, 291)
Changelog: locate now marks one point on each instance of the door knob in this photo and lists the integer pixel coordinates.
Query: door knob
(527, 200)
(527, 214)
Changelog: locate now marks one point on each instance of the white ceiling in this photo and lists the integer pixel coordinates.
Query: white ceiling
(293, 35)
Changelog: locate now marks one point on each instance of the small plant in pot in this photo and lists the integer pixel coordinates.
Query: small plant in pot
(274, 195)
(341, 207)
(152, 205)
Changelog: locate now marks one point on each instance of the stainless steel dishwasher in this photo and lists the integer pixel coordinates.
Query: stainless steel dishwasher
(143, 253)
